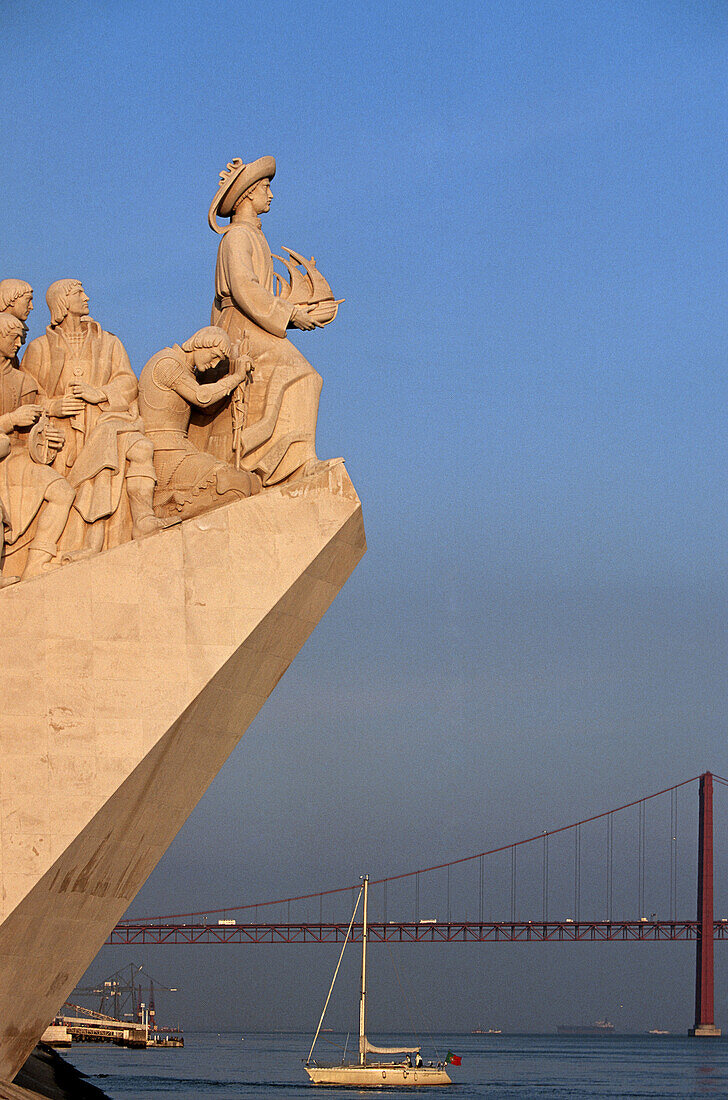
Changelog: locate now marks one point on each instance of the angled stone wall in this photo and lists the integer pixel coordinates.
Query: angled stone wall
(127, 680)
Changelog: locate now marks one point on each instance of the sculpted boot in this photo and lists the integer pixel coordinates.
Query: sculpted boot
(140, 484)
(93, 543)
(51, 521)
(141, 494)
(37, 561)
(241, 483)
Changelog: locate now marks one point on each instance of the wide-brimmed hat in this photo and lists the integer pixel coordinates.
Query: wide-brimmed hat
(234, 182)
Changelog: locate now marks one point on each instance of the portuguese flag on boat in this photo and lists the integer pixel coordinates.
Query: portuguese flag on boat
(453, 1059)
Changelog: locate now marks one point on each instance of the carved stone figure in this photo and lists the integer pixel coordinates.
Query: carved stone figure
(190, 481)
(106, 457)
(36, 499)
(4, 518)
(279, 441)
(16, 297)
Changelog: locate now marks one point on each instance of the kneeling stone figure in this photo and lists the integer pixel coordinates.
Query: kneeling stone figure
(190, 481)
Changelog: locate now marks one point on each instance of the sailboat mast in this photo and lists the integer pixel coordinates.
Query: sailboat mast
(363, 999)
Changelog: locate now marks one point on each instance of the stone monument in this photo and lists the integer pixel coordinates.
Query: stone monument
(279, 436)
(171, 542)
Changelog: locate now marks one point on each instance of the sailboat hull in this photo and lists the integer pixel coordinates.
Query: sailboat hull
(378, 1076)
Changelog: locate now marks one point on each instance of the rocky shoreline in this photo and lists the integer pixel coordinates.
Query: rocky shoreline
(46, 1074)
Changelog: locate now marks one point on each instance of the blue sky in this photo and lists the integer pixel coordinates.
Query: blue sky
(524, 205)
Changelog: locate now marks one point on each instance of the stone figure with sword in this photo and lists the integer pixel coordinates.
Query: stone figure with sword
(171, 386)
(238, 405)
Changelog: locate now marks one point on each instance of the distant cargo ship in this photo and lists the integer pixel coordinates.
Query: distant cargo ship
(480, 1030)
(601, 1027)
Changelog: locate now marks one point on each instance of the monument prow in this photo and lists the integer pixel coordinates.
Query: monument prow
(128, 678)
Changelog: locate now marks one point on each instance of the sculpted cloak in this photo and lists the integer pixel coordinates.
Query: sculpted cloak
(23, 482)
(282, 401)
(97, 439)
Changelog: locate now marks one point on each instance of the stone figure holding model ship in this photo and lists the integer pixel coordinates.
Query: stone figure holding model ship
(190, 481)
(254, 303)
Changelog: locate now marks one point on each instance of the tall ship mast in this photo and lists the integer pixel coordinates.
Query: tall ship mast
(411, 1071)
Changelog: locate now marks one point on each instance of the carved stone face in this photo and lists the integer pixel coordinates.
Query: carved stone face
(10, 343)
(22, 306)
(78, 302)
(207, 358)
(261, 196)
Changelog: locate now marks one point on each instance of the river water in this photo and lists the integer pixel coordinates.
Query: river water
(242, 1067)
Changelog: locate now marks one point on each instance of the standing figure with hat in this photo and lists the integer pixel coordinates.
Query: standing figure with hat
(279, 438)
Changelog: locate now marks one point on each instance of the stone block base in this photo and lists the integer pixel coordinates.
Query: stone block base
(126, 681)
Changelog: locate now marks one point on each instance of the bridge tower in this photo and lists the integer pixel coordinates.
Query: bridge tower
(704, 1010)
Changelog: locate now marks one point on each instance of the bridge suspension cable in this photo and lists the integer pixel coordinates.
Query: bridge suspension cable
(512, 847)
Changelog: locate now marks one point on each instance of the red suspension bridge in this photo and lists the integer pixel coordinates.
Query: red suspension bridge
(233, 924)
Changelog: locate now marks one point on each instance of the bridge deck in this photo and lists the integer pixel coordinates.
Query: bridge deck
(415, 932)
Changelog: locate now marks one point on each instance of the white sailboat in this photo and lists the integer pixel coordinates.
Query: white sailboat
(365, 1073)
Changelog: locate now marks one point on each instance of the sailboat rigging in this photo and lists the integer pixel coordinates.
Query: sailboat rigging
(365, 1073)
